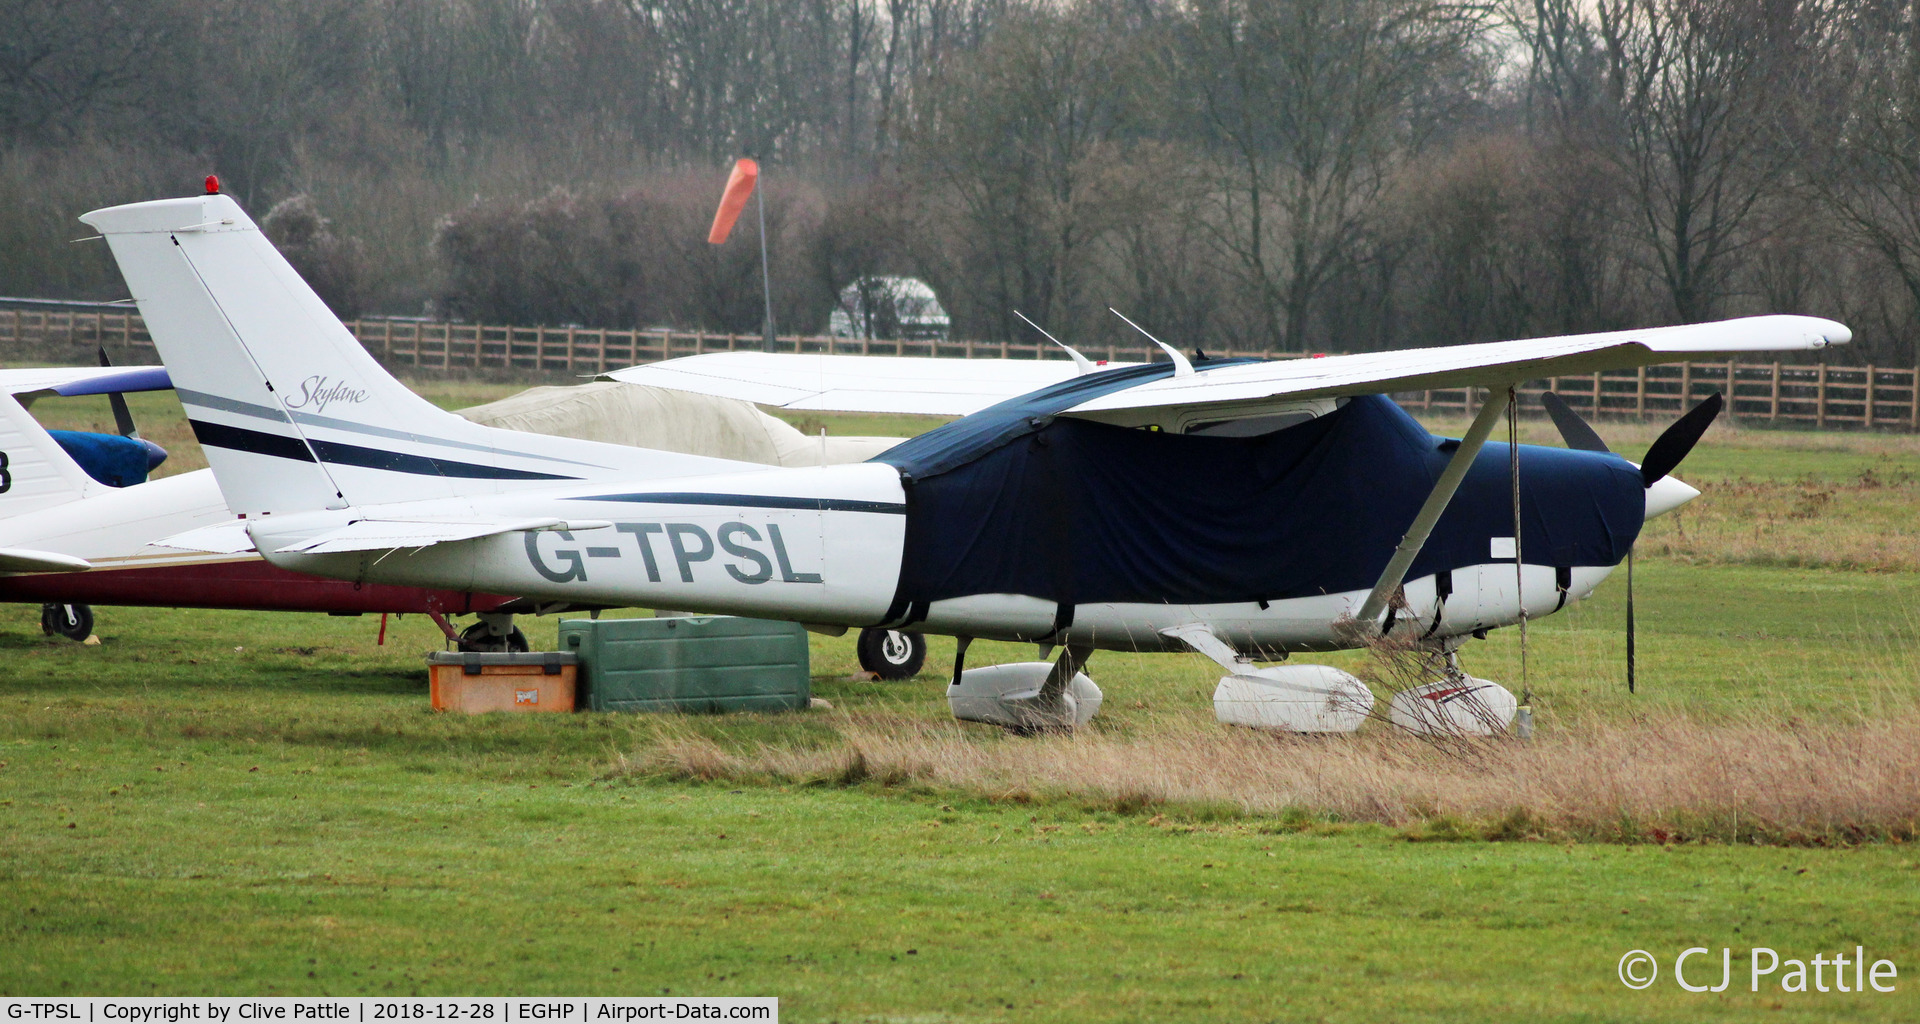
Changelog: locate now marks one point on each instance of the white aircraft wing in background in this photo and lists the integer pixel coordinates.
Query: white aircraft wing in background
(830, 383)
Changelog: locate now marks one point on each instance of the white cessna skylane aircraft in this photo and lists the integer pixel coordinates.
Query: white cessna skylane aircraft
(1238, 508)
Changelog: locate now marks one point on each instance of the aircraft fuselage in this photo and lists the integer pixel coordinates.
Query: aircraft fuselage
(825, 546)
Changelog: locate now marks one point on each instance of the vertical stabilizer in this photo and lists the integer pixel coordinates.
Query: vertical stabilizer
(292, 411)
(168, 252)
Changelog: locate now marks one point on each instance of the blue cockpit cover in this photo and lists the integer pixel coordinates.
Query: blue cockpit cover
(109, 458)
(1075, 511)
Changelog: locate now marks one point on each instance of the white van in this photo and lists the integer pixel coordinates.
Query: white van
(889, 308)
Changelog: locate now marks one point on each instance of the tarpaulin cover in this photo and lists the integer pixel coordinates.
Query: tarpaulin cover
(1076, 511)
(109, 458)
(670, 421)
(970, 437)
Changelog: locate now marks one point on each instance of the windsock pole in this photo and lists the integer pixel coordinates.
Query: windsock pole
(742, 182)
(766, 279)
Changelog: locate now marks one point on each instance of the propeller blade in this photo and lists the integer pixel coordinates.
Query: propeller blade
(1573, 430)
(122, 416)
(1674, 444)
(1629, 620)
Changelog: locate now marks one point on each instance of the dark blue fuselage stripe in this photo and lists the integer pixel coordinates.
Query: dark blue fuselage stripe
(240, 439)
(754, 501)
(420, 465)
(219, 435)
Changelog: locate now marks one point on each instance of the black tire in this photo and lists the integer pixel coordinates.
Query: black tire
(73, 621)
(474, 640)
(891, 654)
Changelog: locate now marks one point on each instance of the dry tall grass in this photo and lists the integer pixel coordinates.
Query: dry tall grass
(1658, 779)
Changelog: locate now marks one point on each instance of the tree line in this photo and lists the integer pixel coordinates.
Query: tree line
(1285, 175)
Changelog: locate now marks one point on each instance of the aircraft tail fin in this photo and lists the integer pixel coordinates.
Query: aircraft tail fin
(292, 411)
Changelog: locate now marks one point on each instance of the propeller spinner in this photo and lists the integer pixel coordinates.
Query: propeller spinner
(1664, 492)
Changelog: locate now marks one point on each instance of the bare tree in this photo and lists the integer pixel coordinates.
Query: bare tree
(296, 76)
(1310, 104)
(1022, 140)
(1703, 95)
(67, 63)
(1575, 204)
(456, 66)
(1872, 179)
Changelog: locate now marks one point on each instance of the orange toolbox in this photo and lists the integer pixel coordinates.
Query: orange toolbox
(477, 683)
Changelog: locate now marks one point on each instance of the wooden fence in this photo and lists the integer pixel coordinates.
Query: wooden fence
(1814, 394)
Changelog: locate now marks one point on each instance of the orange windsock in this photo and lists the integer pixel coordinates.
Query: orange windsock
(739, 188)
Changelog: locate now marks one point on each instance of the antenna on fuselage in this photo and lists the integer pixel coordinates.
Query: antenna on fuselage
(1181, 367)
(1085, 364)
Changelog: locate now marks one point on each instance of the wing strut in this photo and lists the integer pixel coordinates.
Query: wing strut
(1437, 501)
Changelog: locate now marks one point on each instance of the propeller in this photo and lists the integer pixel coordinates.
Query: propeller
(1662, 457)
(1573, 430)
(122, 416)
(123, 422)
(1676, 441)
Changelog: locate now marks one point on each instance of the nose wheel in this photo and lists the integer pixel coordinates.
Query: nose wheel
(891, 654)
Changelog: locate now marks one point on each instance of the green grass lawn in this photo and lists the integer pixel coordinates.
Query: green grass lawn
(178, 815)
(229, 802)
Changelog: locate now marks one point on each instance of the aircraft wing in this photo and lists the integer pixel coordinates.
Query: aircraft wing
(71, 381)
(390, 534)
(829, 383)
(21, 560)
(1495, 364)
(957, 387)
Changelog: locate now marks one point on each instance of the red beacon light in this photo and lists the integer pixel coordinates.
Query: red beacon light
(213, 184)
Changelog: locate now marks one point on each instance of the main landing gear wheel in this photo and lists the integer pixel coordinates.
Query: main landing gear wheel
(73, 621)
(478, 639)
(891, 654)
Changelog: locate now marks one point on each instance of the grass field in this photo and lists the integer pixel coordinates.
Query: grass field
(220, 802)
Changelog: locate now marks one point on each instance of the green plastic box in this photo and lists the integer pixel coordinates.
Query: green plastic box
(702, 663)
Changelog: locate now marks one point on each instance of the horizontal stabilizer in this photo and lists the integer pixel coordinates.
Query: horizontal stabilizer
(21, 560)
(390, 534)
(228, 538)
